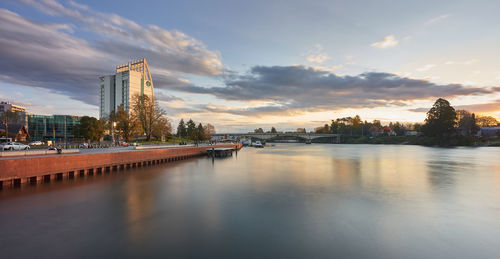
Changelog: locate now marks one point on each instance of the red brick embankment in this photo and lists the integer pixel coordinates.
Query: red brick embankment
(16, 171)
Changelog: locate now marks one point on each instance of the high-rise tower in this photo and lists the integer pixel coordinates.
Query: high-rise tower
(130, 79)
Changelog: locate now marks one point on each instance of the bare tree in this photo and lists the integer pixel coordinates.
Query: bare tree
(209, 130)
(162, 128)
(126, 125)
(146, 112)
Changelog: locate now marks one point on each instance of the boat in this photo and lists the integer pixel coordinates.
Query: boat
(257, 144)
(246, 142)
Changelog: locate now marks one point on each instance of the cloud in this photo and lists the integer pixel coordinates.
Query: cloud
(162, 97)
(437, 19)
(293, 90)
(425, 68)
(316, 54)
(466, 62)
(481, 107)
(50, 56)
(330, 68)
(319, 58)
(421, 109)
(388, 42)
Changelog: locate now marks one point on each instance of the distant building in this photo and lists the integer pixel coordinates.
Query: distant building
(488, 131)
(118, 89)
(7, 106)
(52, 127)
(19, 116)
(411, 133)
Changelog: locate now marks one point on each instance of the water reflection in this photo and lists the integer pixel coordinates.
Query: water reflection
(285, 201)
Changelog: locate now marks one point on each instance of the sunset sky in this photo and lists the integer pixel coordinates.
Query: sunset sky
(246, 64)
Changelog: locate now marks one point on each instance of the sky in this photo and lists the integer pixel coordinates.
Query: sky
(240, 65)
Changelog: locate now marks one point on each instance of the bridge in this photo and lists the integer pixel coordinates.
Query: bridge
(333, 138)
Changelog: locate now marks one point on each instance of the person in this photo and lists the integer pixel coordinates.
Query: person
(59, 149)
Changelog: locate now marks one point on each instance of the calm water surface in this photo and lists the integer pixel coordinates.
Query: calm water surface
(286, 201)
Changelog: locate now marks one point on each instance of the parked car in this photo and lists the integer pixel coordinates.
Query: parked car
(36, 143)
(134, 144)
(14, 146)
(123, 144)
(84, 145)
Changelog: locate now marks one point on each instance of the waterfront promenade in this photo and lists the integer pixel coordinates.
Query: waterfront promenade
(41, 168)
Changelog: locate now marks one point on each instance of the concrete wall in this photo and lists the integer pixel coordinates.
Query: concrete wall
(24, 169)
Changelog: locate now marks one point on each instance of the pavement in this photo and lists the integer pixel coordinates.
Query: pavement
(110, 150)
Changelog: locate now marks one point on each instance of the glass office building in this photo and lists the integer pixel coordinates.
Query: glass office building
(52, 127)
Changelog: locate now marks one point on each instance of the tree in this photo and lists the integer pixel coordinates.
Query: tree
(486, 121)
(398, 128)
(89, 128)
(301, 130)
(209, 130)
(161, 128)
(273, 130)
(466, 123)
(441, 119)
(417, 127)
(324, 129)
(259, 130)
(191, 129)
(181, 129)
(126, 126)
(146, 112)
(200, 133)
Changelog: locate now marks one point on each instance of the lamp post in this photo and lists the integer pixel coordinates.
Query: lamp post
(113, 125)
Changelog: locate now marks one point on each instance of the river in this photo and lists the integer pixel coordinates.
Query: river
(282, 201)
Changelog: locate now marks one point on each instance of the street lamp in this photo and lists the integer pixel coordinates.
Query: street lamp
(113, 131)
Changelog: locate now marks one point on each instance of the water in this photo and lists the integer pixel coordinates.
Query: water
(286, 201)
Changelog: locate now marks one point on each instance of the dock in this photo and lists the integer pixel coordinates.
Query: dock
(220, 152)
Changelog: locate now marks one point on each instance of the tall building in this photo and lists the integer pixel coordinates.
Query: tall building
(130, 79)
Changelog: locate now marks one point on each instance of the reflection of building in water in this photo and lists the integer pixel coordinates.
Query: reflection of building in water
(139, 206)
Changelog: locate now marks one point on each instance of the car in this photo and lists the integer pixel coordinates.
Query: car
(36, 143)
(134, 144)
(14, 146)
(84, 145)
(123, 144)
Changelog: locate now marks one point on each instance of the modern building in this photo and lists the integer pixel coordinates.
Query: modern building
(18, 116)
(59, 128)
(7, 106)
(118, 89)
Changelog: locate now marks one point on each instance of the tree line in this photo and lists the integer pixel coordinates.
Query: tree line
(145, 119)
(442, 120)
(443, 126)
(190, 130)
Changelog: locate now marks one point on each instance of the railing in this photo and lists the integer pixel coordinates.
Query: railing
(36, 152)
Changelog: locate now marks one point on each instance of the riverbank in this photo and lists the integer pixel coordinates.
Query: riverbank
(33, 169)
(421, 140)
